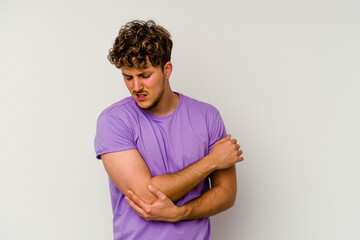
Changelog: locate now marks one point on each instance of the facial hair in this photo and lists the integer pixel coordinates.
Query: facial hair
(157, 100)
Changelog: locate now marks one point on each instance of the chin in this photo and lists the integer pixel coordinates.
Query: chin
(147, 107)
(144, 106)
(148, 104)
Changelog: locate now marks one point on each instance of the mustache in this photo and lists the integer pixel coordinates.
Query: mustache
(140, 92)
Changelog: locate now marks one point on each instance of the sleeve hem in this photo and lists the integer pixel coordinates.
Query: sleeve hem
(99, 153)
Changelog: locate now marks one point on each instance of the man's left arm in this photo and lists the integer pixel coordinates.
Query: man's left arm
(219, 198)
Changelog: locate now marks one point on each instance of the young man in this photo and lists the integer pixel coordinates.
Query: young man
(160, 147)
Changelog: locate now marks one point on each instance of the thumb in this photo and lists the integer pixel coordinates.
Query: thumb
(225, 138)
(157, 192)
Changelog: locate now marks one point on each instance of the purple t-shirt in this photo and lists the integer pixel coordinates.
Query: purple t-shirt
(167, 144)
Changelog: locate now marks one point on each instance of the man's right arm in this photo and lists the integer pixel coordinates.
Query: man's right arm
(129, 171)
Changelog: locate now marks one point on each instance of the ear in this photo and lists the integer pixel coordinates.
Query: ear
(168, 69)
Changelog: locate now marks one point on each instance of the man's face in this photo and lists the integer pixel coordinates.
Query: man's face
(146, 86)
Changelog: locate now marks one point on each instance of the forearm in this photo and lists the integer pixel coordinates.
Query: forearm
(135, 175)
(176, 185)
(224, 154)
(210, 203)
(219, 198)
(129, 172)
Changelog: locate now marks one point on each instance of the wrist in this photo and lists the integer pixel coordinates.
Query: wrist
(183, 213)
(211, 160)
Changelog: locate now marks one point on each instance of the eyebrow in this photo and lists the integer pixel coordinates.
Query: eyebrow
(142, 73)
(126, 75)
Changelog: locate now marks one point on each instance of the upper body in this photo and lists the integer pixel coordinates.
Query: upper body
(159, 147)
(167, 144)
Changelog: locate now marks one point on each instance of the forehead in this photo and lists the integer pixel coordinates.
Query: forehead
(130, 71)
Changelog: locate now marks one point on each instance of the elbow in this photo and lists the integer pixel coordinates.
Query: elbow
(143, 193)
(232, 202)
(231, 199)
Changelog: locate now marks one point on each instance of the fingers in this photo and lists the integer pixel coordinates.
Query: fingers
(238, 150)
(132, 196)
(133, 205)
(136, 208)
(157, 192)
(240, 158)
(140, 207)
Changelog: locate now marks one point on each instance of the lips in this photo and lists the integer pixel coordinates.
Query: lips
(140, 96)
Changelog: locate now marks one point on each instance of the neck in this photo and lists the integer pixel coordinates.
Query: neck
(167, 104)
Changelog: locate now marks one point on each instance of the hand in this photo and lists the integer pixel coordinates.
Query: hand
(226, 152)
(163, 209)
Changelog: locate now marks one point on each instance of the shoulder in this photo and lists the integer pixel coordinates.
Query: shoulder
(200, 106)
(206, 115)
(125, 111)
(121, 109)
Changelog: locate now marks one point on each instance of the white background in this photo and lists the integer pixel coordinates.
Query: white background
(284, 75)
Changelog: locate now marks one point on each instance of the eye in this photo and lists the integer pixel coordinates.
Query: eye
(128, 78)
(146, 76)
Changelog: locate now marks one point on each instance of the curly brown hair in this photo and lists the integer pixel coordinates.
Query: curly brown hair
(139, 42)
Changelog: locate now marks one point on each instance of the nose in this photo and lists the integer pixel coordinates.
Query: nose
(138, 85)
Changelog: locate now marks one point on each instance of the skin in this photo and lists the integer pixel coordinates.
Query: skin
(210, 203)
(160, 100)
(151, 90)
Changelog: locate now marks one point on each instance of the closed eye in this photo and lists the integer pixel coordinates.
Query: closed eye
(127, 77)
(145, 76)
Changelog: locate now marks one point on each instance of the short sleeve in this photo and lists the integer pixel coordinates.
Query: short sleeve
(216, 127)
(112, 135)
